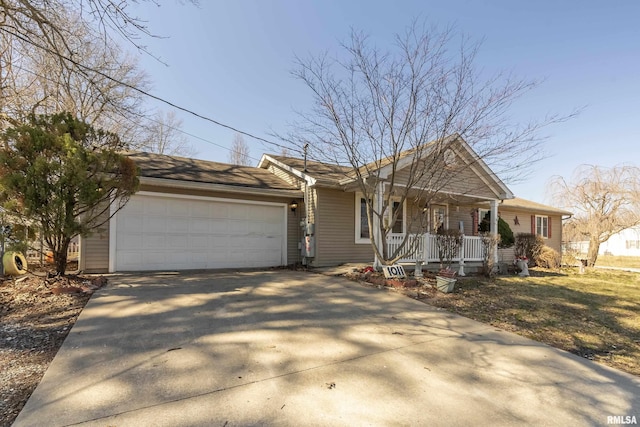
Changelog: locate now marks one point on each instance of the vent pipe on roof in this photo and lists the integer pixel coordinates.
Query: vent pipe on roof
(306, 147)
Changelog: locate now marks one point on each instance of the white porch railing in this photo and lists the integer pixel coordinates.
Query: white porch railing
(424, 247)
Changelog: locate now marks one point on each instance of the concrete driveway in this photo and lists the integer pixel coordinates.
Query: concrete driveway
(294, 348)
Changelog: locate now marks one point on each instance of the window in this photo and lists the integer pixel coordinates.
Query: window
(482, 224)
(542, 226)
(398, 227)
(438, 218)
(633, 244)
(362, 223)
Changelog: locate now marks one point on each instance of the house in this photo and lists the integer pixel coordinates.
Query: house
(525, 216)
(195, 214)
(623, 243)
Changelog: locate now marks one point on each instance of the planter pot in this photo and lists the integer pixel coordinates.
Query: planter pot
(445, 284)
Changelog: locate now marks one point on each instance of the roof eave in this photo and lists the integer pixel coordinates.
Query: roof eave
(266, 159)
(224, 188)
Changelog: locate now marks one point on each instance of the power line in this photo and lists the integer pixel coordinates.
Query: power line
(143, 92)
(142, 116)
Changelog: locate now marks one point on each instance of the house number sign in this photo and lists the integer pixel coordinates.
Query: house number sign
(394, 272)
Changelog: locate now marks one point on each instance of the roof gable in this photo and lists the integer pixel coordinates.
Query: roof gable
(316, 172)
(336, 175)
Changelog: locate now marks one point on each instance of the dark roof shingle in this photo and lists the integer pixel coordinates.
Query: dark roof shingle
(183, 169)
(322, 172)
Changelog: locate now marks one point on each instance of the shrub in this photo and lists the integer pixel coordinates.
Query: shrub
(504, 230)
(528, 245)
(448, 242)
(548, 258)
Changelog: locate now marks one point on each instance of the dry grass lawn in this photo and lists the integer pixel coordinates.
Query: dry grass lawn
(618, 261)
(595, 315)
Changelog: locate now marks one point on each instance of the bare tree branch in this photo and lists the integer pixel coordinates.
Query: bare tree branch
(240, 153)
(605, 201)
(404, 109)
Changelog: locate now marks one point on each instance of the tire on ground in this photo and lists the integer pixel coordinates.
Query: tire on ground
(15, 264)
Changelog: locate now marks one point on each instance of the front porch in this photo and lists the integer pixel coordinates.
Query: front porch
(425, 249)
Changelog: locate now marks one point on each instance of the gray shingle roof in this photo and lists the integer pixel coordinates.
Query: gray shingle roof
(533, 206)
(323, 172)
(183, 169)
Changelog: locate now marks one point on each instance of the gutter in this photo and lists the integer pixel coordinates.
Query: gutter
(223, 188)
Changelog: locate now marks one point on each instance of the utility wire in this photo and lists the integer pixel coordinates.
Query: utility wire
(142, 116)
(145, 93)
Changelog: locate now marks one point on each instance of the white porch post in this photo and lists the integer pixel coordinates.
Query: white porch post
(461, 263)
(494, 228)
(377, 236)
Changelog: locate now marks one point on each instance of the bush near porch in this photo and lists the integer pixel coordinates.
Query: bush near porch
(594, 315)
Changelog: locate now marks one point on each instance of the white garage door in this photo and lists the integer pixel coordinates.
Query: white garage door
(169, 233)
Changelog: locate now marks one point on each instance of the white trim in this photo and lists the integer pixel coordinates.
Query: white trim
(452, 193)
(507, 193)
(113, 222)
(536, 226)
(378, 199)
(191, 185)
(430, 223)
(358, 218)
(113, 226)
(450, 141)
(404, 215)
(266, 158)
(359, 240)
(494, 229)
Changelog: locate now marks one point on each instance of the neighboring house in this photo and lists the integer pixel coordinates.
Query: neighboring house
(525, 216)
(624, 243)
(194, 214)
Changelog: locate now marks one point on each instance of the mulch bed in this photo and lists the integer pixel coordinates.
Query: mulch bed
(36, 314)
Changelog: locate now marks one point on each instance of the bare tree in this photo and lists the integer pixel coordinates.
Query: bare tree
(239, 154)
(605, 201)
(36, 81)
(42, 24)
(64, 55)
(164, 135)
(396, 117)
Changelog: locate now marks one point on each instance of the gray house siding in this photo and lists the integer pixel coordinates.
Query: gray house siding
(94, 250)
(335, 230)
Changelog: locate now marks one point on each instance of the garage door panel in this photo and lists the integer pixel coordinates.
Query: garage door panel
(180, 242)
(154, 224)
(199, 225)
(155, 206)
(178, 209)
(133, 241)
(219, 226)
(178, 226)
(131, 224)
(199, 209)
(151, 241)
(198, 243)
(237, 227)
(160, 233)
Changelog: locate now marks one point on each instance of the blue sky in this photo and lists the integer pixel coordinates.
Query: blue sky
(231, 61)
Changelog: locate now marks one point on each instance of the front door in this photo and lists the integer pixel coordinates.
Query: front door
(438, 218)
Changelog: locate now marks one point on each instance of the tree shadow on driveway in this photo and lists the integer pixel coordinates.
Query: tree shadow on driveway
(283, 347)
